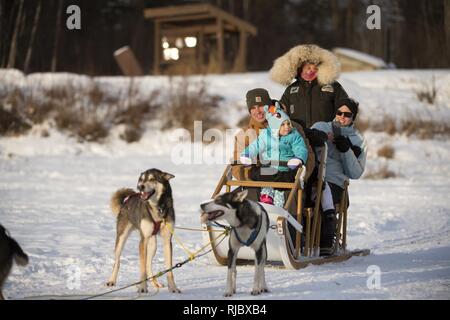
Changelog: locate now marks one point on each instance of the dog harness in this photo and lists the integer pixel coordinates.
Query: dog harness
(252, 237)
(156, 223)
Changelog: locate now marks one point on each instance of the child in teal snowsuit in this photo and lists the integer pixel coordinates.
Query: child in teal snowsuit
(280, 141)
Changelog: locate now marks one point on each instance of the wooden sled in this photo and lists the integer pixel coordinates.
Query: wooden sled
(282, 248)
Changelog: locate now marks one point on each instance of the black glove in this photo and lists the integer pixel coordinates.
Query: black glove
(316, 137)
(356, 150)
(342, 143)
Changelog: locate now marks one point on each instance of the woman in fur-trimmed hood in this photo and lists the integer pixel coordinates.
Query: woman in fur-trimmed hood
(312, 96)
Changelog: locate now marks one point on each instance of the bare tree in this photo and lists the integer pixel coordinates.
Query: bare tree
(447, 24)
(33, 35)
(13, 48)
(335, 15)
(2, 32)
(246, 9)
(349, 30)
(57, 36)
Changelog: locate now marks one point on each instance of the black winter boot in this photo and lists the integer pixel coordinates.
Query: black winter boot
(328, 233)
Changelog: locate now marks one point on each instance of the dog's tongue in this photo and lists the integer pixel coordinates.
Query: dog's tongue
(145, 195)
(210, 216)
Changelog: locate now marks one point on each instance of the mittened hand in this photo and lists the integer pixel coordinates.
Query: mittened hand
(356, 150)
(316, 137)
(246, 161)
(294, 163)
(342, 143)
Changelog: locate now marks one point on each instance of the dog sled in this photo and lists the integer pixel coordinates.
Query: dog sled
(293, 239)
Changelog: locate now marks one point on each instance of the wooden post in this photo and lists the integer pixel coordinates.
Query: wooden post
(317, 239)
(298, 235)
(240, 60)
(308, 231)
(127, 62)
(316, 218)
(220, 45)
(201, 52)
(157, 48)
(320, 181)
(344, 210)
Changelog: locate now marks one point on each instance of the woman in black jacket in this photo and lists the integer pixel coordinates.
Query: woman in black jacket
(312, 96)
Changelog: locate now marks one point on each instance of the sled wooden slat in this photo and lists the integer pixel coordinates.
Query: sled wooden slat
(260, 184)
(316, 219)
(341, 208)
(298, 235)
(222, 181)
(294, 189)
(344, 210)
(308, 231)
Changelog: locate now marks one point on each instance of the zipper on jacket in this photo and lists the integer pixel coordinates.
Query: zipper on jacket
(309, 87)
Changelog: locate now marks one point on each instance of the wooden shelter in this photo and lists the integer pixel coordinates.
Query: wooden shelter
(198, 38)
(352, 60)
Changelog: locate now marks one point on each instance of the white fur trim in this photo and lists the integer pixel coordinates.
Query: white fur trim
(285, 67)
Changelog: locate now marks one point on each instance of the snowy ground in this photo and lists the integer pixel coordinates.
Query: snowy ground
(55, 192)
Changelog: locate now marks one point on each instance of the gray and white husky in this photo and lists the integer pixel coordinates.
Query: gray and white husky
(249, 222)
(150, 212)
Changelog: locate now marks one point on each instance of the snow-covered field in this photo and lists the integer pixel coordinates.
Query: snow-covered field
(55, 193)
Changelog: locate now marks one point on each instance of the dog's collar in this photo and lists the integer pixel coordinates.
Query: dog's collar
(252, 237)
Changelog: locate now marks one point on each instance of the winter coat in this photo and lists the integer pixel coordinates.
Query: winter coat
(343, 165)
(242, 139)
(309, 102)
(275, 148)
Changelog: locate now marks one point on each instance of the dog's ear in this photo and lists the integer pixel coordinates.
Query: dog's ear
(168, 176)
(240, 196)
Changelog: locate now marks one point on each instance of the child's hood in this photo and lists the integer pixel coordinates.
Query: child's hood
(275, 116)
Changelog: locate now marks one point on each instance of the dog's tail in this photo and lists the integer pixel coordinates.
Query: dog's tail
(20, 257)
(118, 197)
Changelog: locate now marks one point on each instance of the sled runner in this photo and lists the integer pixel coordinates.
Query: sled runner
(294, 237)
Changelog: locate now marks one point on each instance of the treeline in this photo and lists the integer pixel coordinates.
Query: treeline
(34, 38)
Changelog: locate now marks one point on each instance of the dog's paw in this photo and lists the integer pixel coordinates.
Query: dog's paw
(174, 290)
(110, 283)
(142, 290)
(255, 292)
(228, 294)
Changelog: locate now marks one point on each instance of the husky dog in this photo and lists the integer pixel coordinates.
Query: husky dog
(249, 222)
(9, 251)
(150, 212)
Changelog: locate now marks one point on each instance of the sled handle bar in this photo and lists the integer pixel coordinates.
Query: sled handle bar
(264, 165)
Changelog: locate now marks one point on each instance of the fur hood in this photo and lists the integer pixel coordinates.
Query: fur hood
(284, 68)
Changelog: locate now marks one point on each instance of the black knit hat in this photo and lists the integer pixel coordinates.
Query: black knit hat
(350, 103)
(259, 97)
